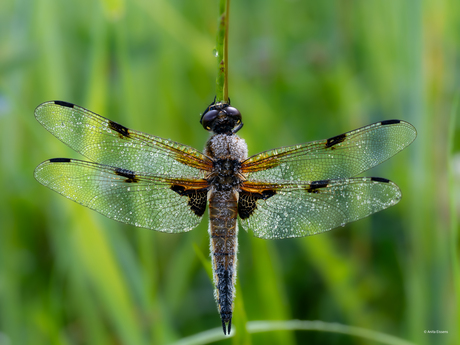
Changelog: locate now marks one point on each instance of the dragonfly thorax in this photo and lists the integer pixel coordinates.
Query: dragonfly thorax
(226, 174)
(223, 146)
(227, 153)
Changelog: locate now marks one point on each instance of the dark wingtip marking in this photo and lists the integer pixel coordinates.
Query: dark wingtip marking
(197, 198)
(380, 179)
(335, 140)
(119, 128)
(64, 104)
(59, 160)
(130, 175)
(390, 122)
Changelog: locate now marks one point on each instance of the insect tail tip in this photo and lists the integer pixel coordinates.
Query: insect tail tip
(227, 328)
(224, 327)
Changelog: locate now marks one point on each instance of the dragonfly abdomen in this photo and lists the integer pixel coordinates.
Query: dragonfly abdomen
(223, 230)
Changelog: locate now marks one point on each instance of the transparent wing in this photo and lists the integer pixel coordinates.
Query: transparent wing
(285, 211)
(342, 156)
(107, 142)
(149, 202)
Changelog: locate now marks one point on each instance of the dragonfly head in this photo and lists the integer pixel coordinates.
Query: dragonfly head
(221, 118)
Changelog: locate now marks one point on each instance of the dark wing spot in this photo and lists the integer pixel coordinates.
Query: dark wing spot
(380, 179)
(59, 160)
(390, 122)
(197, 198)
(64, 104)
(178, 189)
(130, 175)
(316, 185)
(335, 140)
(247, 202)
(319, 184)
(119, 128)
(267, 194)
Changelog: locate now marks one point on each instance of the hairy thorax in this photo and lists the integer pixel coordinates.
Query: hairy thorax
(227, 153)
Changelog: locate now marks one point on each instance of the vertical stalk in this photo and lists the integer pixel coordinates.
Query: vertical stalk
(222, 52)
(453, 207)
(227, 14)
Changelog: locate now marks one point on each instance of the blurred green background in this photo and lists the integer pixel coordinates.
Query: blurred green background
(299, 71)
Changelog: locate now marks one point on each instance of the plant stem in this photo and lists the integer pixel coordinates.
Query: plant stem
(222, 52)
(252, 327)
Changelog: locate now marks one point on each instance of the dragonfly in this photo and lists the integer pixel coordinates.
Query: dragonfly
(155, 183)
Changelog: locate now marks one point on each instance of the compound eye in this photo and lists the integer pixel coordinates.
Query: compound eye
(233, 112)
(208, 119)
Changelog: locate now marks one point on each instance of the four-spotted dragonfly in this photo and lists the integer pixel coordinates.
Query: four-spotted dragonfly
(159, 184)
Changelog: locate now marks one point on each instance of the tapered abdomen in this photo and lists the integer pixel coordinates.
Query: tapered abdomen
(223, 230)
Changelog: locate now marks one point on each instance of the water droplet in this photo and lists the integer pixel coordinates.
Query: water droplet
(215, 52)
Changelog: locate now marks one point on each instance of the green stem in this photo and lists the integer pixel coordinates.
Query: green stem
(222, 52)
(452, 201)
(215, 334)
